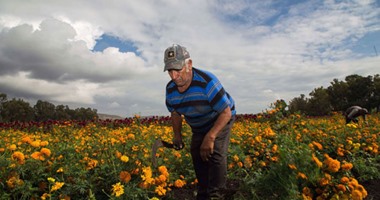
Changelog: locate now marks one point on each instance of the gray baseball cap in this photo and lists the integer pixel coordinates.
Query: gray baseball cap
(175, 57)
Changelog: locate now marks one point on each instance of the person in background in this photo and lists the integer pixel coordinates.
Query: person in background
(199, 96)
(353, 112)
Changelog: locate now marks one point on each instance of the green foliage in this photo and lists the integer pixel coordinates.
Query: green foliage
(355, 90)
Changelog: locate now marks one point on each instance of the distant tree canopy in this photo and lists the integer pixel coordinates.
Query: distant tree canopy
(19, 110)
(354, 90)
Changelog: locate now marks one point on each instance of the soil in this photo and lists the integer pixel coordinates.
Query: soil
(189, 192)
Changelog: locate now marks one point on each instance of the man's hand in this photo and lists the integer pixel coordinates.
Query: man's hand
(178, 144)
(207, 148)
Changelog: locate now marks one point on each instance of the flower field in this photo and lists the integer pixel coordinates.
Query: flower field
(270, 156)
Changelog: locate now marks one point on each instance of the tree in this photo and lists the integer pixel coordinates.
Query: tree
(338, 95)
(298, 104)
(3, 99)
(359, 90)
(375, 96)
(17, 110)
(319, 103)
(44, 110)
(61, 113)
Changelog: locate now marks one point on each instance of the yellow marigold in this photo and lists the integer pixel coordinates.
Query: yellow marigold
(346, 166)
(235, 158)
(131, 136)
(45, 196)
(135, 148)
(44, 143)
(36, 143)
(46, 152)
(124, 158)
(19, 157)
(12, 147)
(56, 186)
(161, 191)
(179, 183)
(125, 176)
(117, 189)
(92, 163)
(60, 170)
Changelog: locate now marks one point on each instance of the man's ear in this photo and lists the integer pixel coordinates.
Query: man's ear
(189, 65)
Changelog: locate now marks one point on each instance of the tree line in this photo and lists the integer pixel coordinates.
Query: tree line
(20, 110)
(340, 95)
(353, 90)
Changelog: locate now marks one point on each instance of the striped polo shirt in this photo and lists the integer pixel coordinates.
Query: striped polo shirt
(201, 103)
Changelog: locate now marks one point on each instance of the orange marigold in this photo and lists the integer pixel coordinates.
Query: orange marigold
(346, 166)
(46, 152)
(125, 176)
(19, 157)
(179, 183)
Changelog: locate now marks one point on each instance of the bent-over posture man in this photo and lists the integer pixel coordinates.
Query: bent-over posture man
(353, 112)
(209, 110)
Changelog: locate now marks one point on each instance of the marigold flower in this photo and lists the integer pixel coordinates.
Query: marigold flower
(292, 166)
(317, 161)
(19, 157)
(36, 143)
(14, 182)
(60, 170)
(125, 176)
(12, 147)
(46, 152)
(333, 165)
(179, 183)
(301, 175)
(56, 186)
(318, 145)
(124, 158)
(346, 166)
(357, 195)
(341, 187)
(117, 189)
(344, 180)
(161, 191)
(38, 156)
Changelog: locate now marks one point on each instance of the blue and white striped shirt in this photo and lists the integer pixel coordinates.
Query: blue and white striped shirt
(201, 103)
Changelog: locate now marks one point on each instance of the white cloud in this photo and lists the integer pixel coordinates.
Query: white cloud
(261, 51)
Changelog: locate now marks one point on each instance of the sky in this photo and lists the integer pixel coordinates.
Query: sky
(108, 55)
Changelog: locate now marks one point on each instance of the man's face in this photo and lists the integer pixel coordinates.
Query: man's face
(181, 77)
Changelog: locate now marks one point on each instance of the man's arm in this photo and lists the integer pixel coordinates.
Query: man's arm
(207, 146)
(177, 129)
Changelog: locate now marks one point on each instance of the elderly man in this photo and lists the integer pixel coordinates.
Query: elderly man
(199, 96)
(353, 112)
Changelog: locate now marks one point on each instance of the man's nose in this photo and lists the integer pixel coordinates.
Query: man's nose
(174, 74)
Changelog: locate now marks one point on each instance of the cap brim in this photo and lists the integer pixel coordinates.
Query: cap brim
(174, 65)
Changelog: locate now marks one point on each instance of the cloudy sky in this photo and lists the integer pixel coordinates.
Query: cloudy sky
(108, 55)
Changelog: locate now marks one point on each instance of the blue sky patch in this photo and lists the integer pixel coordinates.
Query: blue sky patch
(106, 41)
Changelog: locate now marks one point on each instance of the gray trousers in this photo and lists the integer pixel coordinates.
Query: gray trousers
(211, 174)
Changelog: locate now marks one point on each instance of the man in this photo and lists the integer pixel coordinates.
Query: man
(353, 112)
(209, 110)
